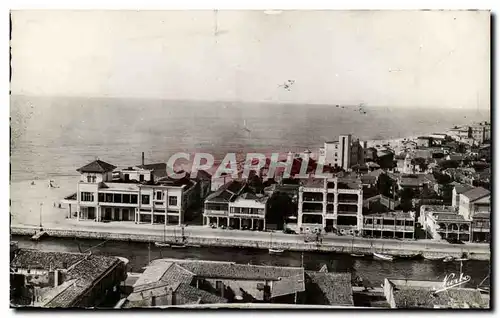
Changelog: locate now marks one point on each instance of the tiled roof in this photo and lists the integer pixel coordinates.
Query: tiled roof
(476, 193)
(83, 269)
(335, 287)
(406, 297)
(211, 269)
(98, 166)
(28, 258)
(288, 285)
(194, 294)
(463, 187)
(226, 192)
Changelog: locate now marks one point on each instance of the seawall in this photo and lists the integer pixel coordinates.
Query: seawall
(364, 246)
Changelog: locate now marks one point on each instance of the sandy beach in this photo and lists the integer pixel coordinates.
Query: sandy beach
(26, 199)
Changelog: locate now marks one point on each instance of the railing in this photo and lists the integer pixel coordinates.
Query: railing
(215, 212)
(312, 211)
(347, 212)
(387, 227)
(347, 201)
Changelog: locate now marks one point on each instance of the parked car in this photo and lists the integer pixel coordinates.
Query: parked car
(289, 231)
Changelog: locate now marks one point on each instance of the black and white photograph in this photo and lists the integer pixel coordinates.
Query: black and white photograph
(251, 159)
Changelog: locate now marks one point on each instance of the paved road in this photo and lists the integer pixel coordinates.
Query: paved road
(277, 237)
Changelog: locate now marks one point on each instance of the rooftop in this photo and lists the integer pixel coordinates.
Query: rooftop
(476, 193)
(97, 166)
(335, 288)
(83, 270)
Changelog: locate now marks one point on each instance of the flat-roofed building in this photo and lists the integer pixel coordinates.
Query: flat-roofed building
(335, 202)
(394, 224)
(140, 194)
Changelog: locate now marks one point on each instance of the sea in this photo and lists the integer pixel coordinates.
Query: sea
(53, 136)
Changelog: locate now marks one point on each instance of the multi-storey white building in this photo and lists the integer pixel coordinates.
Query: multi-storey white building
(334, 202)
(131, 194)
(343, 153)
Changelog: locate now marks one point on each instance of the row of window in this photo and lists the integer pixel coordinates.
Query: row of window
(122, 198)
(247, 211)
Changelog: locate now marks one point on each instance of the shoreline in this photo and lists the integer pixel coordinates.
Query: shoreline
(259, 240)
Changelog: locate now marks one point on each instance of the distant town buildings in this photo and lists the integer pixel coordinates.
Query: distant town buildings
(343, 153)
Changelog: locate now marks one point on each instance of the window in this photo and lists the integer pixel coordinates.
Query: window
(133, 198)
(117, 198)
(101, 197)
(172, 200)
(109, 197)
(145, 199)
(87, 196)
(158, 195)
(89, 179)
(141, 178)
(126, 198)
(93, 179)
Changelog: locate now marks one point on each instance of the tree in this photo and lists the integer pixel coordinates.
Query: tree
(280, 208)
(406, 195)
(385, 185)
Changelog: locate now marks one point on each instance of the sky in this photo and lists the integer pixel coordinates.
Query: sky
(379, 58)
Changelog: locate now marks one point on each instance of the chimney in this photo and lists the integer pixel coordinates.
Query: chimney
(142, 158)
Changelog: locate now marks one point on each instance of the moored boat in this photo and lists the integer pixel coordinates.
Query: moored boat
(434, 258)
(161, 244)
(384, 257)
(276, 251)
(357, 255)
(178, 245)
(448, 259)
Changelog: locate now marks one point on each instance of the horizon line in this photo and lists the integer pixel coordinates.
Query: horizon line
(274, 102)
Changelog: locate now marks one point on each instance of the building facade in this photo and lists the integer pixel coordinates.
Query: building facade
(396, 224)
(131, 194)
(336, 203)
(343, 153)
(235, 205)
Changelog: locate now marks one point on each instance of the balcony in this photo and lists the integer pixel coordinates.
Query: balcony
(215, 212)
(344, 212)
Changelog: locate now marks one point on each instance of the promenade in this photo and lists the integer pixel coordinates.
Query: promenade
(205, 236)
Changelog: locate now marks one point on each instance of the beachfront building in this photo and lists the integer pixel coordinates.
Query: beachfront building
(475, 205)
(458, 188)
(424, 142)
(443, 222)
(397, 224)
(481, 132)
(235, 205)
(136, 194)
(343, 153)
(64, 280)
(335, 202)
